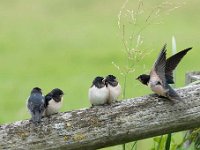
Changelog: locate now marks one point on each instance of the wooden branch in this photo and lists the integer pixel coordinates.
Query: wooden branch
(102, 126)
(192, 77)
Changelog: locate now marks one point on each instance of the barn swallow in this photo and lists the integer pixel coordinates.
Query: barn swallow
(53, 102)
(114, 88)
(161, 74)
(171, 64)
(36, 104)
(98, 93)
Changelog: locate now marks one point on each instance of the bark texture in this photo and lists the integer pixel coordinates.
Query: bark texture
(102, 126)
(191, 77)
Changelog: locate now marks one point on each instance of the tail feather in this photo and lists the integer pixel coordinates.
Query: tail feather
(172, 95)
(36, 117)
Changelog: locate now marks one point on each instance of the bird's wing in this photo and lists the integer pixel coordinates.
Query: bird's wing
(47, 98)
(172, 62)
(36, 99)
(172, 95)
(159, 65)
(29, 104)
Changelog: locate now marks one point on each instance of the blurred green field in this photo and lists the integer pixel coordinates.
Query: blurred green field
(66, 43)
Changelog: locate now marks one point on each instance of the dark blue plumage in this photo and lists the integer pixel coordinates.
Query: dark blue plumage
(36, 105)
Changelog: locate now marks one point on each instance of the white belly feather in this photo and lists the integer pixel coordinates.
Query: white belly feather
(98, 96)
(114, 92)
(153, 84)
(157, 88)
(53, 107)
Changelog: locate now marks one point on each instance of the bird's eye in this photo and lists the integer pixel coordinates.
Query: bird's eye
(158, 83)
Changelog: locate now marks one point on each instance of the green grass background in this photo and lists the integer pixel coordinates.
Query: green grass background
(66, 43)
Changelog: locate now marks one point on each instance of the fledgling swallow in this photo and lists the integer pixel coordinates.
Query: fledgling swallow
(53, 101)
(36, 104)
(161, 75)
(98, 92)
(114, 88)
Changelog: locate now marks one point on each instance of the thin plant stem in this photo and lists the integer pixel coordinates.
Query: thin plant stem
(174, 51)
(124, 89)
(134, 145)
(134, 27)
(159, 143)
(168, 142)
(124, 146)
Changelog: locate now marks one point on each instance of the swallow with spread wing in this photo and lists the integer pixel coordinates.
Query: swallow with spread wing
(161, 75)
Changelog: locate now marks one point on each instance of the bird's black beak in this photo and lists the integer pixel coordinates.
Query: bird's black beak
(138, 78)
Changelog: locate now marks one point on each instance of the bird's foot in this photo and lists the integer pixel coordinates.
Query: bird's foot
(154, 95)
(160, 96)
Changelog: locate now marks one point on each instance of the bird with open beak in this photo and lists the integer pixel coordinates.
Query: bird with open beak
(161, 75)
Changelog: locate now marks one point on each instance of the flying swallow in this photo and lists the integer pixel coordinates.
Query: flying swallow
(161, 75)
(35, 105)
(114, 88)
(98, 93)
(53, 101)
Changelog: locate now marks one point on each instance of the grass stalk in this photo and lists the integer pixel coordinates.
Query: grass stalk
(159, 143)
(134, 145)
(168, 142)
(174, 51)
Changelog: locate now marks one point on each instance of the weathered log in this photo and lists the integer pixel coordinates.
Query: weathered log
(102, 126)
(192, 77)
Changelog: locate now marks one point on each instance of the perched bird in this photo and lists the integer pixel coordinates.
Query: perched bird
(113, 87)
(161, 75)
(35, 104)
(171, 64)
(98, 93)
(53, 102)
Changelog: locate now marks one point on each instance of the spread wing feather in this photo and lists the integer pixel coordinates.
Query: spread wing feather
(172, 62)
(160, 64)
